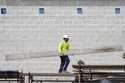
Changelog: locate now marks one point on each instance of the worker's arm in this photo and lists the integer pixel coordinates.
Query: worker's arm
(68, 47)
(60, 47)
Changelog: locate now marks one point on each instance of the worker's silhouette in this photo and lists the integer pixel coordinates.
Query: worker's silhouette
(63, 48)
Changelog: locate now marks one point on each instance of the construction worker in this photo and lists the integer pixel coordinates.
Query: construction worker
(63, 48)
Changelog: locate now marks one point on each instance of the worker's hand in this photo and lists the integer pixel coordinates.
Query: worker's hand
(61, 54)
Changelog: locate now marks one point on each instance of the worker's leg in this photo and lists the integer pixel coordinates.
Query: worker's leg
(67, 61)
(62, 64)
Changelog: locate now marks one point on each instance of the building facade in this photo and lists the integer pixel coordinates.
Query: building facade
(28, 26)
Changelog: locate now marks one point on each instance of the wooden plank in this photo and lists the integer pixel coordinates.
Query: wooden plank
(116, 78)
(52, 74)
(54, 80)
(100, 67)
(116, 73)
(57, 77)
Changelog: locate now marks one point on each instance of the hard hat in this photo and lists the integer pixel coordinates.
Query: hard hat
(65, 36)
(81, 62)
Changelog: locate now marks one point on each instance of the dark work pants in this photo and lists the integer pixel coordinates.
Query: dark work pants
(64, 63)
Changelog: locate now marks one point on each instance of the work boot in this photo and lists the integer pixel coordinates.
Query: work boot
(66, 72)
(60, 71)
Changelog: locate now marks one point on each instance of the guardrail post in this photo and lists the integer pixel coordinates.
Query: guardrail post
(91, 75)
(80, 75)
(41, 82)
(30, 78)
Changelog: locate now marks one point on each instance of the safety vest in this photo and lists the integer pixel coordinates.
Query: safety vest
(63, 47)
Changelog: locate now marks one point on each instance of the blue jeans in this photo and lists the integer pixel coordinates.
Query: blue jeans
(64, 63)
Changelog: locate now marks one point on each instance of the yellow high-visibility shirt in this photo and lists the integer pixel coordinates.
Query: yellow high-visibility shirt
(63, 47)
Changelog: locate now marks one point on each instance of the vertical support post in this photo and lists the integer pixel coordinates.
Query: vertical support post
(80, 75)
(91, 75)
(29, 78)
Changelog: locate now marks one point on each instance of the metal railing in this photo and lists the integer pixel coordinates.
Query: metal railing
(51, 77)
(12, 76)
(82, 74)
(93, 72)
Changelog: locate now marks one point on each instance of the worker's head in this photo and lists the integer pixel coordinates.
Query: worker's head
(65, 38)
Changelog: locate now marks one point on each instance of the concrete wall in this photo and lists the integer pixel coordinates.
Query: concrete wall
(23, 30)
(62, 2)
